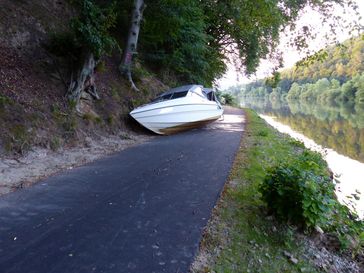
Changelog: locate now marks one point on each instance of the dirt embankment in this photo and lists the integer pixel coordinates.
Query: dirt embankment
(40, 133)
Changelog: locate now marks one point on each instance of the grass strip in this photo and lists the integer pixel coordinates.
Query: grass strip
(241, 236)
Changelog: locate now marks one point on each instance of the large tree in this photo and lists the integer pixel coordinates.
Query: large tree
(243, 31)
(130, 48)
(174, 42)
(191, 40)
(91, 40)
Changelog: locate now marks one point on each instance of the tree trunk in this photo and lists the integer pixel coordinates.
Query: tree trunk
(83, 82)
(131, 44)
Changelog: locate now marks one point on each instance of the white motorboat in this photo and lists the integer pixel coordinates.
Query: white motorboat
(179, 109)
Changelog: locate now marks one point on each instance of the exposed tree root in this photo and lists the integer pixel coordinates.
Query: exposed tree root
(84, 82)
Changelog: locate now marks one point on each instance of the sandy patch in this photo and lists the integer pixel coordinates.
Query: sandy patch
(16, 173)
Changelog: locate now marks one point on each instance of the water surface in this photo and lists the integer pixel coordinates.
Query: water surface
(337, 132)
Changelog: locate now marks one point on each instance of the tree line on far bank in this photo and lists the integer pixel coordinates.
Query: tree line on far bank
(339, 78)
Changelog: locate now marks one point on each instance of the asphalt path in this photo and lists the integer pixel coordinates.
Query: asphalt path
(140, 210)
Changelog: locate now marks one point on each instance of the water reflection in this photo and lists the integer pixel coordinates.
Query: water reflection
(348, 171)
(335, 131)
(340, 128)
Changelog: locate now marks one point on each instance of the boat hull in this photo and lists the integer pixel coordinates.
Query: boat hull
(165, 118)
(185, 126)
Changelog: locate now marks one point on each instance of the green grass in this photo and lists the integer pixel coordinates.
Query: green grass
(55, 143)
(18, 139)
(243, 237)
(250, 240)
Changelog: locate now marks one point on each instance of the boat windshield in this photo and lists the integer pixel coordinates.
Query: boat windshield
(170, 96)
(211, 95)
(198, 91)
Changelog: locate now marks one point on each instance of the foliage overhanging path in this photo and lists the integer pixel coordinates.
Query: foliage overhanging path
(190, 41)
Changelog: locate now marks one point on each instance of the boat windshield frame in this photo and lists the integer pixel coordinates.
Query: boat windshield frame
(171, 96)
(183, 91)
(200, 94)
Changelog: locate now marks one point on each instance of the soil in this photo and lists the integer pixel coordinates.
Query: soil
(317, 248)
(20, 172)
(327, 260)
(40, 131)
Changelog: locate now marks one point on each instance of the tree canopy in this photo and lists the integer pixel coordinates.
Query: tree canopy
(191, 40)
(195, 38)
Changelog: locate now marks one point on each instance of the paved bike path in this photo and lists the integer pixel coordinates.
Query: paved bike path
(140, 210)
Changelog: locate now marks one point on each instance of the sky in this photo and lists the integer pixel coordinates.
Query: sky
(291, 56)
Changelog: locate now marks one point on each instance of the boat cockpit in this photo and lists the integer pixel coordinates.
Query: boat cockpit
(187, 90)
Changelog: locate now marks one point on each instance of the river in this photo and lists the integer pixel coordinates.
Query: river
(337, 132)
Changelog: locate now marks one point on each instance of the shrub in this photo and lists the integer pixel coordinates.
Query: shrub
(300, 191)
(110, 120)
(92, 27)
(90, 32)
(64, 44)
(18, 139)
(139, 72)
(225, 98)
(69, 125)
(55, 143)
